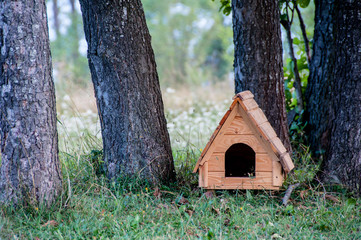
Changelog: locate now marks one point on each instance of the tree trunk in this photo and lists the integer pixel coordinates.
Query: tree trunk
(74, 32)
(121, 60)
(334, 91)
(29, 169)
(56, 18)
(258, 59)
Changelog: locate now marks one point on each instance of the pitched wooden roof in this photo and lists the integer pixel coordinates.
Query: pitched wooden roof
(257, 117)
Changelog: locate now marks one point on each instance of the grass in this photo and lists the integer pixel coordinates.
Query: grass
(91, 208)
(96, 214)
(133, 209)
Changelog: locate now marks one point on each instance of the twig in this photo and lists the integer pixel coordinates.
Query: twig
(94, 184)
(297, 81)
(304, 34)
(69, 187)
(288, 193)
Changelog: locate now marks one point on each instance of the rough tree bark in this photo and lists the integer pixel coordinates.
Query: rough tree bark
(121, 60)
(258, 59)
(29, 169)
(334, 91)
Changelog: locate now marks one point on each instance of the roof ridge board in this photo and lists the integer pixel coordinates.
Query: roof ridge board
(244, 95)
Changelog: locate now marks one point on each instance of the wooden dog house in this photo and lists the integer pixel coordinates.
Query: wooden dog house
(244, 151)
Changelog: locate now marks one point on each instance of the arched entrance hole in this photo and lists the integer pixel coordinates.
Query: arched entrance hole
(240, 161)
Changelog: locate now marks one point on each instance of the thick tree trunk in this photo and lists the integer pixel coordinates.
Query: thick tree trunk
(334, 91)
(258, 59)
(121, 60)
(29, 146)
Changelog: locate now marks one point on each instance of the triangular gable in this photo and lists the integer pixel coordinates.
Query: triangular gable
(245, 106)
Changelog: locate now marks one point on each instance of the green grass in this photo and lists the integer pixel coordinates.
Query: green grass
(97, 214)
(94, 209)
(91, 208)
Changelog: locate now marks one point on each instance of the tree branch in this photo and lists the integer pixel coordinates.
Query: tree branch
(297, 81)
(288, 193)
(304, 34)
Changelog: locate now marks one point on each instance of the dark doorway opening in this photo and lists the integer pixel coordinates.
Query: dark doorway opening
(240, 161)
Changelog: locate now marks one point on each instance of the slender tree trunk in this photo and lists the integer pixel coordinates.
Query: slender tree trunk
(74, 31)
(29, 169)
(56, 18)
(334, 91)
(258, 58)
(121, 60)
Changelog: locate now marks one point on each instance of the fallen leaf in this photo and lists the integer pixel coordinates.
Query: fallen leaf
(51, 223)
(190, 212)
(163, 206)
(274, 236)
(303, 194)
(332, 198)
(227, 211)
(216, 210)
(209, 194)
(226, 222)
(183, 201)
(156, 192)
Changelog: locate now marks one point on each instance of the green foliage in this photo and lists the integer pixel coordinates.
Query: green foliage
(191, 42)
(96, 159)
(291, 101)
(185, 160)
(288, 14)
(71, 68)
(225, 6)
(303, 3)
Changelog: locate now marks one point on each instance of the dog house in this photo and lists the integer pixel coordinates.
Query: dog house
(244, 151)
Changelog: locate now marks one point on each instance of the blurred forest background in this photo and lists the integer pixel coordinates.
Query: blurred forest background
(193, 46)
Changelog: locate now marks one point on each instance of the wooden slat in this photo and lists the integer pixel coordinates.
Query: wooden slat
(228, 140)
(215, 178)
(203, 175)
(277, 174)
(238, 126)
(277, 146)
(216, 162)
(267, 131)
(234, 103)
(286, 162)
(245, 186)
(263, 163)
(263, 180)
(257, 116)
(249, 104)
(244, 95)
